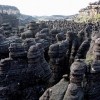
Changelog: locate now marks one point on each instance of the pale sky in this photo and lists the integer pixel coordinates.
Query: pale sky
(48, 7)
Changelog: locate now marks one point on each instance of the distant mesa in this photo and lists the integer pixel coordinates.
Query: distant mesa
(5, 9)
(12, 15)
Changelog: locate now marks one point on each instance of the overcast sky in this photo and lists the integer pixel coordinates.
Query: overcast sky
(48, 7)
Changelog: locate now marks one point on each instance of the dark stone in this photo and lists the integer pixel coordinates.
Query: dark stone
(57, 56)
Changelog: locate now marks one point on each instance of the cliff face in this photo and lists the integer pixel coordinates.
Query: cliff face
(12, 19)
(90, 13)
(10, 10)
(12, 15)
(91, 10)
(9, 14)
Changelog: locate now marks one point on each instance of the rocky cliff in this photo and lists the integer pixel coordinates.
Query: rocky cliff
(9, 14)
(12, 15)
(91, 12)
(10, 10)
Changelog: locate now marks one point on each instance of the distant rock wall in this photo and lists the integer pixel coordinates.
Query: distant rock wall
(91, 10)
(9, 14)
(10, 10)
(12, 19)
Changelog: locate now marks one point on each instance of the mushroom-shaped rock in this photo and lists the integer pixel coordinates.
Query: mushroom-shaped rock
(16, 50)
